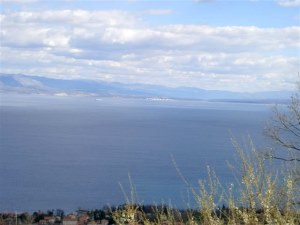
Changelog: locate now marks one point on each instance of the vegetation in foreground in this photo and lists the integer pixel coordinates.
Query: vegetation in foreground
(261, 196)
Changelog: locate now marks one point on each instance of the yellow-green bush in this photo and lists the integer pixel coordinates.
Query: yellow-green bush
(261, 195)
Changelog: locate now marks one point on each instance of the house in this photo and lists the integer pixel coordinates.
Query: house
(70, 220)
(49, 219)
(83, 219)
(104, 222)
(92, 223)
(42, 222)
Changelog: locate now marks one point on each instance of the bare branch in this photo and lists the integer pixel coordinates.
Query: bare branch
(284, 129)
(283, 159)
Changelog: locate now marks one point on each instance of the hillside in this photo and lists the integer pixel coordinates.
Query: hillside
(25, 84)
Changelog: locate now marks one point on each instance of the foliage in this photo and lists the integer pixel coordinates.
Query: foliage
(262, 196)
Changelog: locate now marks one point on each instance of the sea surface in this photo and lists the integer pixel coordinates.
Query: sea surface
(79, 152)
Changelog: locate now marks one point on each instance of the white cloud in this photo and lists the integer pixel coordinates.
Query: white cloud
(158, 12)
(72, 17)
(118, 46)
(27, 82)
(19, 1)
(289, 3)
(203, 1)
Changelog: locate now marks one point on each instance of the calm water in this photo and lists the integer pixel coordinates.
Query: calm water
(63, 152)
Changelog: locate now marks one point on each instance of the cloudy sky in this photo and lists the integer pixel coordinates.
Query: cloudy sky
(237, 45)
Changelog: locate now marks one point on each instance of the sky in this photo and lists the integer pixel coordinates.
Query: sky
(236, 45)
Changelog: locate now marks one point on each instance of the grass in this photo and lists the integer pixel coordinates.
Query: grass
(262, 194)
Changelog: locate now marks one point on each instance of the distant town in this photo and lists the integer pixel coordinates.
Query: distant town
(104, 216)
(58, 217)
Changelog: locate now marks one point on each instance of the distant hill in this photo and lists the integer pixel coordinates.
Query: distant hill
(34, 84)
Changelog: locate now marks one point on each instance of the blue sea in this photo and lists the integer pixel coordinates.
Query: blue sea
(75, 152)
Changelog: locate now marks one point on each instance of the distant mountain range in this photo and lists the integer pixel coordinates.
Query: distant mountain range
(41, 85)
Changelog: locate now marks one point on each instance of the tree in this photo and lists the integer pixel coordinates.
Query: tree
(50, 212)
(284, 129)
(60, 213)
